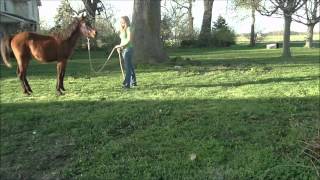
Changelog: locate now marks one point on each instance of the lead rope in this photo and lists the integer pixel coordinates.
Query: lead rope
(120, 60)
(91, 66)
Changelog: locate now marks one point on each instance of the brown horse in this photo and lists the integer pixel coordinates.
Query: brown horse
(58, 47)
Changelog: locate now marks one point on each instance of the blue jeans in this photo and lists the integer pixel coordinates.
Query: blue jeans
(130, 77)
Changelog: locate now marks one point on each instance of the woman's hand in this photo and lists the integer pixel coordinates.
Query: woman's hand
(118, 47)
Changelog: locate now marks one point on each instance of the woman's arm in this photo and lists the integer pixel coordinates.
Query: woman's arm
(127, 40)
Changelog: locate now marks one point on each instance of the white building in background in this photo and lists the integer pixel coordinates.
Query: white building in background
(19, 15)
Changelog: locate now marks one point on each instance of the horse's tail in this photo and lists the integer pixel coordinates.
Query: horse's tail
(6, 49)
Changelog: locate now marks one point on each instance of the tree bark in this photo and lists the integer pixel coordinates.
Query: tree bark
(206, 21)
(309, 39)
(252, 34)
(190, 20)
(286, 53)
(146, 37)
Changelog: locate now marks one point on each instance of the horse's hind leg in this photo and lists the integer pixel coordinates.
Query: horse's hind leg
(26, 80)
(23, 56)
(25, 91)
(21, 72)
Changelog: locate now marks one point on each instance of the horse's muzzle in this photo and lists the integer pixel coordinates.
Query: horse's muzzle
(94, 33)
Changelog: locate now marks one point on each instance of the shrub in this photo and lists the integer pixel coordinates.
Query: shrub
(222, 35)
(108, 41)
(188, 43)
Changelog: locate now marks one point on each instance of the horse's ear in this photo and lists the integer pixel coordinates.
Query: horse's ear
(81, 14)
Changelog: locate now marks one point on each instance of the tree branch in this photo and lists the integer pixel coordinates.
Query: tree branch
(310, 13)
(261, 8)
(77, 13)
(179, 4)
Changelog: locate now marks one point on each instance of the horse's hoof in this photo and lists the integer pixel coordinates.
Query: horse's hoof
(26, 93)
(59, 93)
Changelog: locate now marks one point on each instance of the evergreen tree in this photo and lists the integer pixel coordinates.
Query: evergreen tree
(222, 35)
(220, 24)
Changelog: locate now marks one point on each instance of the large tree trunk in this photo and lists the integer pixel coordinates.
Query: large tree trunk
(190, 20)
(309, 39)
(147, 44)
(252, 34)
(206, 22)
(286, 37)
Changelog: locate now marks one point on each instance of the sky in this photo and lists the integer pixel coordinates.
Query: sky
(240, 21)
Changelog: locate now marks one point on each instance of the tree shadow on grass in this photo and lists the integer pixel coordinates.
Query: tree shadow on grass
(154, 139)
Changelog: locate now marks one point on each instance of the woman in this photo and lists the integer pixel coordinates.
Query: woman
(126, 46)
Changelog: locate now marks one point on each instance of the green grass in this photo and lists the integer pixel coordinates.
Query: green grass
(243, 113)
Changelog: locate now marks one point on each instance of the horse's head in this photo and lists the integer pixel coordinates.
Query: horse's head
(86, 28)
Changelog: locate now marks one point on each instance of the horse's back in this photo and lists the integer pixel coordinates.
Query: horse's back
(42, 47)
(31, 35)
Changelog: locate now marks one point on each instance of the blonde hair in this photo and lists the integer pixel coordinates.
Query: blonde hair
(127, 21)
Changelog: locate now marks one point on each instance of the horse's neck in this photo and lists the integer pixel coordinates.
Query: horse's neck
(72, 40)
(69, 43)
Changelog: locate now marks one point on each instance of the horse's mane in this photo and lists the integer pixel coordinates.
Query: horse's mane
(64, 34)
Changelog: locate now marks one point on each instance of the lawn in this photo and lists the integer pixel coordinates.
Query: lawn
(278, 38)
(234, 113)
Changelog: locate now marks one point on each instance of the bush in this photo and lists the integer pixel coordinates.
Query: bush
(188, 43)
(109, 41)
(222, 35)
(171, 43)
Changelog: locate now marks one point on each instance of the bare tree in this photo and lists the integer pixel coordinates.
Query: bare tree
(286, 8)
(146, 37)
(252, 5)
(206, 21)
(178, 15)
(187, 5)
(310, 17)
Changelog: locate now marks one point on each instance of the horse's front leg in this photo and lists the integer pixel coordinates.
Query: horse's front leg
(60, 75)
(62, 78)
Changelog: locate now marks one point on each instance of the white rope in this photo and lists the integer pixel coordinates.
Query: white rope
(91, 66)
